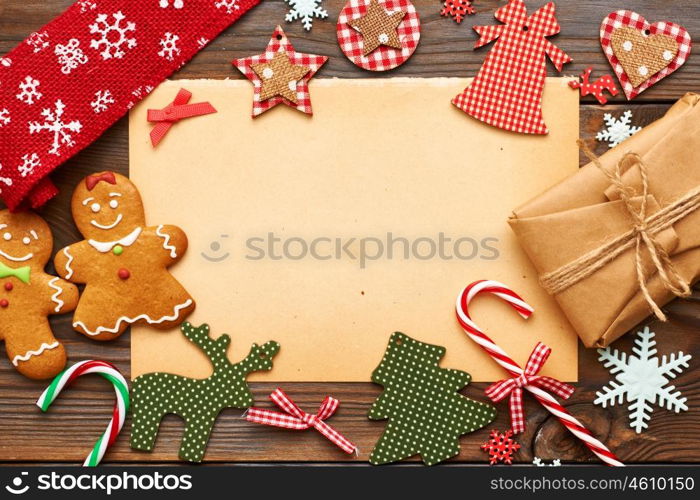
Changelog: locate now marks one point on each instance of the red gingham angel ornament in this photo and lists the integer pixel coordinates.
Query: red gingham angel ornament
(507, 91)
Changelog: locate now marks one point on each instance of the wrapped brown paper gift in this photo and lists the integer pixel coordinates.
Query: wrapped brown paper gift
(591, 246)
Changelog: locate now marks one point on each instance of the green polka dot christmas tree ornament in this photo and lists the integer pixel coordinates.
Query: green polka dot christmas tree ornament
(426, 413)
(197, 401)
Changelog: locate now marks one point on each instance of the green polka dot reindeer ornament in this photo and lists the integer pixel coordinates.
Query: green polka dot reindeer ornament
(197, 401)
(426, 413)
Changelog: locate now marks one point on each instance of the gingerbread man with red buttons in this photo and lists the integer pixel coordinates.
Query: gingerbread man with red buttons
(28, 295)
(122, 262)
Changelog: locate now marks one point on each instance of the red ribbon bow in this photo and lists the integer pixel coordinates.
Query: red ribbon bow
(514, 386)
(298, 419)
(174, 112)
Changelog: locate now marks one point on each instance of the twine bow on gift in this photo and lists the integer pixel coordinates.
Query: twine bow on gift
(514, 386)
(640, 236)
(297, 419)
(174, 112)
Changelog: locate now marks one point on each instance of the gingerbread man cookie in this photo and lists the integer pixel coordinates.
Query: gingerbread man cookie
(28, 296)
(122, 262)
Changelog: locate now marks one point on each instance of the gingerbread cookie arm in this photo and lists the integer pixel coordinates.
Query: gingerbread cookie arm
(173, 240)
(62, 294)
(69, 262)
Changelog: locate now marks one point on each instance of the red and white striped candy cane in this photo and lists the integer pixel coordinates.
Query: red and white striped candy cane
(502, 358)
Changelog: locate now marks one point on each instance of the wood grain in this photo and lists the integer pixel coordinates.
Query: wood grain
(67, 432)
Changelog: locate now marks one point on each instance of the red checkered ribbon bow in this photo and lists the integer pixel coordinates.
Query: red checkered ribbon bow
(514, 386)
(174, 112)
(298, 419)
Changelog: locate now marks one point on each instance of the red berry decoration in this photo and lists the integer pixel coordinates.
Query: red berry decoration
(500, 447)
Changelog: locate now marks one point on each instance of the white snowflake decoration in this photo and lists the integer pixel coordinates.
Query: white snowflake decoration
(305, 10)
(5, 62)
(29, 90)
(616, 130)
(169, 46)
(39, 40)
(114, 37)
(70, 55)
(178, 4)
(4, 117)
(5, 180)
(641, 378)
(539, 463)
(229, 5)
(29, 163)
(103, 98)
(86, 5)
(53, 122)
(202, 42)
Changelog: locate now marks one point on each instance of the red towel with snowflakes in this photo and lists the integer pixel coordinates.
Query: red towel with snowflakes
(69, 81)
(507, 91)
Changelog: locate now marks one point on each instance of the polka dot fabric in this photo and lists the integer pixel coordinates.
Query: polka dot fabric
(426, 413)
(197, 401)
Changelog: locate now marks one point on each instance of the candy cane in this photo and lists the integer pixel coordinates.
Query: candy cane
(502, 358)
(121, 406)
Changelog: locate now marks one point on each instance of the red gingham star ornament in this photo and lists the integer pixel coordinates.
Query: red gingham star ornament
(507, 91)
(384, 57)
(280, 43)
(626, 19)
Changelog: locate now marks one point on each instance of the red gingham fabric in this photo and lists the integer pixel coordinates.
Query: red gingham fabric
(507, 91)
(633, 20)
(279, 41)
(383, 58)
(68, 82)
(299, 420)
(513, 386)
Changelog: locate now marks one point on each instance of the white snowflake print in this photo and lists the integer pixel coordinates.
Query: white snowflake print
(29, 163)
(39, 40)
(202, 42)
(305, 10)
(29, 90)
(53, 122)
(86, 5)
(228, 5)
(178, 4)
(539, 463)
(114, 37)
(642, 378)
(617, 130)
(103, 98)
(70, 55)
(5, 62)
(169, 46)
(4, 117)
(5, 180)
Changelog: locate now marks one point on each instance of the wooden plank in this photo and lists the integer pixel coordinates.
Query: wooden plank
(446, 48)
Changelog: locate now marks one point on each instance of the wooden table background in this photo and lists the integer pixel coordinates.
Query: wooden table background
(67, 432)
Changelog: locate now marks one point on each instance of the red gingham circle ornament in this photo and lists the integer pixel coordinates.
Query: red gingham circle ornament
(629, 19)
(383, 58)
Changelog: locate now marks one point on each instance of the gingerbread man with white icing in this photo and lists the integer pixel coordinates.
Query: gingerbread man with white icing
(28, 296)
(122, 262)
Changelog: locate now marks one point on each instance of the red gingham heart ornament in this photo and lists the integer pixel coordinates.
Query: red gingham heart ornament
(383, 58)
(629, 19)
